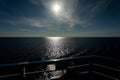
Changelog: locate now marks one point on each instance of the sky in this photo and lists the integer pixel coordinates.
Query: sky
(59, 18)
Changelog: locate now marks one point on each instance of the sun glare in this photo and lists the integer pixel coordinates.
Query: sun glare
(55, 38)
(56, 8)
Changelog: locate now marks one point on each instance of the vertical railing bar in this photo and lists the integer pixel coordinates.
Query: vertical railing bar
(24, 72)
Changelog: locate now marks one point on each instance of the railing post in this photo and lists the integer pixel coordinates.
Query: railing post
(24, 72)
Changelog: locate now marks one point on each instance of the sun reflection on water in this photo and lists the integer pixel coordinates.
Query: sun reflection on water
(55, 38)
(55, 47)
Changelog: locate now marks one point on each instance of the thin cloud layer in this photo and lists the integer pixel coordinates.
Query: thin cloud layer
(74, 13)
(71, 15)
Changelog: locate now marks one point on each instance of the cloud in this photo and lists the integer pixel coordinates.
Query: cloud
(34, 22)
(35, 2)
(99, 6)
(65, 18)
(24, 30)
(74, 12)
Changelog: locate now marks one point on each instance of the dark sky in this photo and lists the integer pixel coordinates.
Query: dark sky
(68, 18)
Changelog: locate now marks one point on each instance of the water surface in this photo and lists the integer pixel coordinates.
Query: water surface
(14, 50)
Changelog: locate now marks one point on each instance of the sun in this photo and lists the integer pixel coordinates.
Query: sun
(56, 8)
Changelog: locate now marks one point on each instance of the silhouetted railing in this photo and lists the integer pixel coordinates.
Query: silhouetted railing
(95, 67)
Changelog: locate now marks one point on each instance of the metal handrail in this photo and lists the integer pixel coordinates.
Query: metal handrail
(105, 75)
(11, 75)
(107, 67)
(62, 60)
(56, 60)
(107, 58)
(79, 66)
(35, 72)
(23, 64)
(46, 61)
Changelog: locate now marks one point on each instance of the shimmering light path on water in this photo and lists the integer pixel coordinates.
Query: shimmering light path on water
(14, 50)
(55, 47)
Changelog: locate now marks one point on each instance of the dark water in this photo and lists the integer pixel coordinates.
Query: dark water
(14, 50)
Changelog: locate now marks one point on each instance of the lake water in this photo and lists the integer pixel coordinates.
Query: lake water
(14, 50)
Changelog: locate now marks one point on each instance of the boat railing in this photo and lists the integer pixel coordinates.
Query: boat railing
(93, 66)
